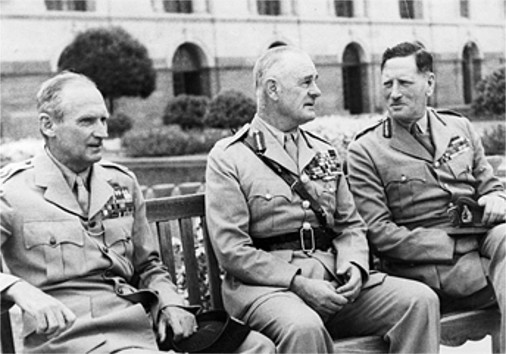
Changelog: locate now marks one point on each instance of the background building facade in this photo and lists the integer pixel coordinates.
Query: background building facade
(205, 46)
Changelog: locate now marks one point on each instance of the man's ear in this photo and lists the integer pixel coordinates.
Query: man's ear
(46, 125)
(272, 89)
(431, 83)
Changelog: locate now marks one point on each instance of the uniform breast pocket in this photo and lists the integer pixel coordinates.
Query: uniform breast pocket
(403, 189)
(56, 246)
(118, 235)
(268, 203)
(461, 166)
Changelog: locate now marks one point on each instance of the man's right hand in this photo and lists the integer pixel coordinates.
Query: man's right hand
(320, 295)
(52, 316)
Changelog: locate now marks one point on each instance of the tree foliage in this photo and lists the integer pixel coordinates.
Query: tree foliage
(114, 60)
(490, 95)
(187, 111)
(230, 109)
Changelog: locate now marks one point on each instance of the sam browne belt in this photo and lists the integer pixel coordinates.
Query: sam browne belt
(306, 239)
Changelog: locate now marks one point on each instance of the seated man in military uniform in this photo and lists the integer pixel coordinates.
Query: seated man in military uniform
(85, 269)
(420, 178)
(286, 230)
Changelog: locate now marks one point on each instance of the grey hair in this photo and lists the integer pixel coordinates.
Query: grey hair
(49, 95)
(270, 58)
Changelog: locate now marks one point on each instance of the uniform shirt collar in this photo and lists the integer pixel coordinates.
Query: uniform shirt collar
(278, 134)
(68, 174)
(423, 123)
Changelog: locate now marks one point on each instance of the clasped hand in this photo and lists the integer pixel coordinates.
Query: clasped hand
(327, 297)
(494, 209)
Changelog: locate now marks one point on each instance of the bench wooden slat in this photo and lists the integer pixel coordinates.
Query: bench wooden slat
(190, 260)
(458, 327)
(213, 270)
(165, 239)
(172, 208)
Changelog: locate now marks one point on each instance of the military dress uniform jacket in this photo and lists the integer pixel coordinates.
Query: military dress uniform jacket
(404, 195)
(245, 199)
(47, 241)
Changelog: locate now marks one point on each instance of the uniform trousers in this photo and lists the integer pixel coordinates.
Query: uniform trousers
(404, 312)
(494, 248)
(254, 343)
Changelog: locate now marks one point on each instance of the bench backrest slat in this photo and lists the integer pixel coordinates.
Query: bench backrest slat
(183, 217)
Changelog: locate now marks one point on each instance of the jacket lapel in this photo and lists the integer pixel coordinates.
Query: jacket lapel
(102, 191)
(441, 136)
(274, 149)
(404, 142)
(306, 153)
(57, 191)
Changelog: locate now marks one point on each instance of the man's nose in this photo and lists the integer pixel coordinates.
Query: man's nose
(396, 92)
(100, 130)
(315, 91)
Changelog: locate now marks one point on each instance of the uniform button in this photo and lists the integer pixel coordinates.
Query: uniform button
(268, 196)
(93, 223)
(403, 178)
(437, 164)
(306, 225)
(120, 291)
(306, 204)
(451, 204)
(52, 241)
(304, 178)
(445, 185)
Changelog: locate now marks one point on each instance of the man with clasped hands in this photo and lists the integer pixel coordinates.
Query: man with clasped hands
(297, 266)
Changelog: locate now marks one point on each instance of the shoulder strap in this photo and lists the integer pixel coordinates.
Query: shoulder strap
(294, 182)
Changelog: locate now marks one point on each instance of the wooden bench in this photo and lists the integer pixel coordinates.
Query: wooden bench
(182, 219)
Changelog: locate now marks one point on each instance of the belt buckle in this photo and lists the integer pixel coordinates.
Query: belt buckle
(306, 230)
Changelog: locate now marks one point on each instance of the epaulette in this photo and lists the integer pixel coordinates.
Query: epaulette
(11, 169)
(317, 137)
(125, 170)
(239, 134)
(449, 111)
(369, 129)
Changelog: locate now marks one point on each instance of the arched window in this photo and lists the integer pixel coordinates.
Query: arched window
(277, 44)
(355, 89)
(189, 73)
(471, 70)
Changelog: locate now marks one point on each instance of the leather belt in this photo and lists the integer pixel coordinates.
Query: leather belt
(306, 239)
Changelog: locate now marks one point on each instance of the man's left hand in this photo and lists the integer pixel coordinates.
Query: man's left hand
(182, 322)
(494, 209)
(352, 288)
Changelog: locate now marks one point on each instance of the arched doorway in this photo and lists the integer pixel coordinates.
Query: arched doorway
(189, 74)
(354, 80)
(471, 70)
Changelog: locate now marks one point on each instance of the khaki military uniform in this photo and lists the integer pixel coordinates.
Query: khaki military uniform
(247, 201)
(404, 195)
(86, 263)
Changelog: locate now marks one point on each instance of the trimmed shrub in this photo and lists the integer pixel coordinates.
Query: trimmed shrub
(490, 95)
(230, 109)
(187, 111)
(118, 124)
(493, 140)
(170, 140)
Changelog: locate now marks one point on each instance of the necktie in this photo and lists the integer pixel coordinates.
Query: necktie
(82, 194)
(290, 146)
(423, 139)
